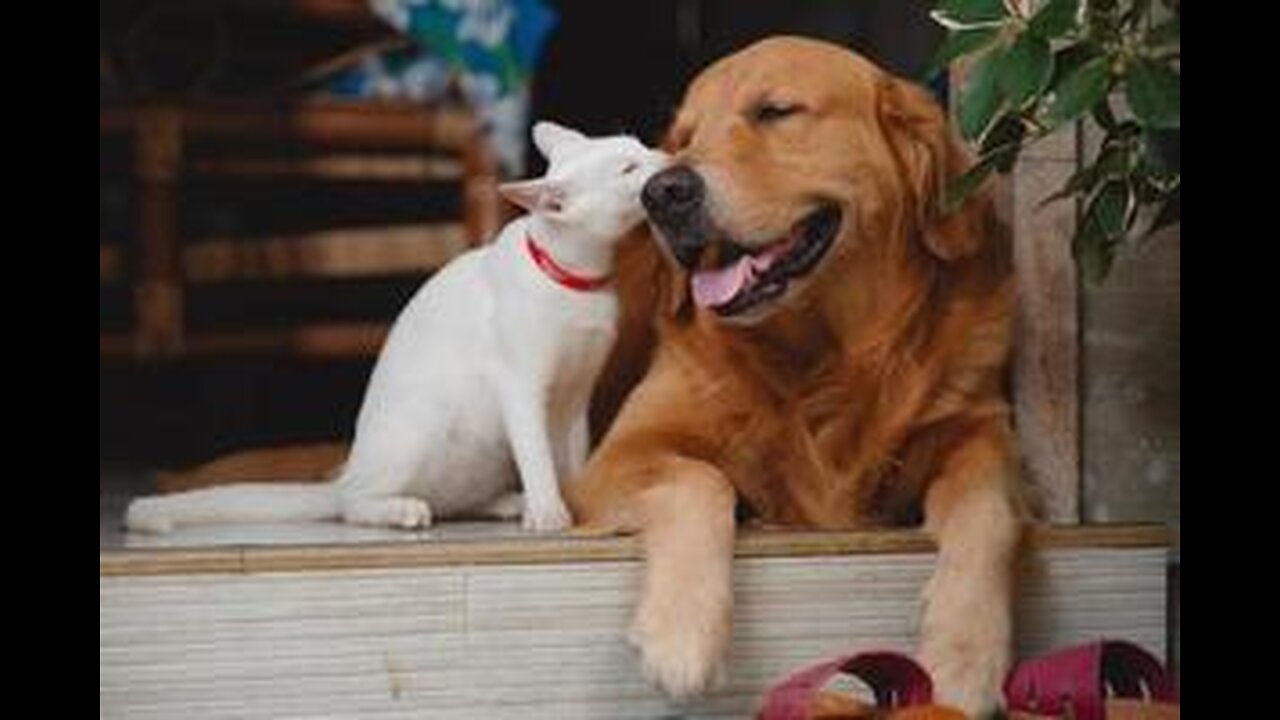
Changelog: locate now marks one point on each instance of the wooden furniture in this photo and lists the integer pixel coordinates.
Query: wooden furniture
(343, 141)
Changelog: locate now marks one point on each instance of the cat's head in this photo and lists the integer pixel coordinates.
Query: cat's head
(592, 184)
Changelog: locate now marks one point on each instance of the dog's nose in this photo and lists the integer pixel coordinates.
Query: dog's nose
(673, 199)
(673, 193)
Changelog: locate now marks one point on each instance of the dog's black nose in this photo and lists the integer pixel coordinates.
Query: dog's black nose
(673, 199)
(673, 193)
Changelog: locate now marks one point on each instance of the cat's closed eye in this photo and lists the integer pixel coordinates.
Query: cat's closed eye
(630, 167)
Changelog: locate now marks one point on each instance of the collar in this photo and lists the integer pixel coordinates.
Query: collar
(560, 274)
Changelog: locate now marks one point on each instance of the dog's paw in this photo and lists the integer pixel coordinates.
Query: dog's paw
(967, 667)
(681, 648)
(148, 515)
(546, 515)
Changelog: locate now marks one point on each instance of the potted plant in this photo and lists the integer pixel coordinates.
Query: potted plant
(1034, 70)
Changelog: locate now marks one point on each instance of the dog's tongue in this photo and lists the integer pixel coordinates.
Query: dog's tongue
(713, 288)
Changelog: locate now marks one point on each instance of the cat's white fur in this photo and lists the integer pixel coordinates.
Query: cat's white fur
(483, 384)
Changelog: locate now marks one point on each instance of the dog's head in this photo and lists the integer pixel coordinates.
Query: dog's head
(795, 163)
(591, 184)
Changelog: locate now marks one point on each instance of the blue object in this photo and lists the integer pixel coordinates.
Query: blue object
(491, 46)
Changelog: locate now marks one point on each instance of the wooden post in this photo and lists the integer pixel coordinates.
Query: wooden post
(158, 301)
(1047, 329)
(1046, 392)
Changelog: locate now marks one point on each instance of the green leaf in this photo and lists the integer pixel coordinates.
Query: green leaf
(1161, 153)
(1094, 254)
(1109, 208)
(980, 98)
(961, 14)
(1025, 68)
(1113, 161)
(1170, 213)
(1154, 93)
(1103, 226)
(1102, 115)
(958, 44)
(1079, 90)
(1065, 62)
(1069, 59)
(1003, 141)
(959, 188)
(1054, 19)
(1168, 32)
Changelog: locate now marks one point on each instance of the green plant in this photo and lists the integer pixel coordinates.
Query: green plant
(1035, 71)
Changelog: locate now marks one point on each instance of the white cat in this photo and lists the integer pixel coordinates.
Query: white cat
(493, 361)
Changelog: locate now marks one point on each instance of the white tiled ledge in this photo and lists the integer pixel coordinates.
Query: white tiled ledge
(501, 624)
(306, 548)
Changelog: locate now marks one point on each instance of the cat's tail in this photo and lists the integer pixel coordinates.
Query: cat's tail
(233, 504)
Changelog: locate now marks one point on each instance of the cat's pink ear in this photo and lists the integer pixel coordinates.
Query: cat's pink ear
(541, 195)
(551, 138)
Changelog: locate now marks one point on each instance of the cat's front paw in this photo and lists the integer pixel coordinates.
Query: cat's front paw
(546, 516)
(148, 515)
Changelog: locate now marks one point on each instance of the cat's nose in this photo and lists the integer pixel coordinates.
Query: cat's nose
(673, 195)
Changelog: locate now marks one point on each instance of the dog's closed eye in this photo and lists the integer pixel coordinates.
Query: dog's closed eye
(630, 167)
(770, 111)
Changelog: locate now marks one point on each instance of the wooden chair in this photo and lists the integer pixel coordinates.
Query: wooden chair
(343, 141)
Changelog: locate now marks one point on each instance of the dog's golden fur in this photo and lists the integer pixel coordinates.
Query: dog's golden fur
(873, 393)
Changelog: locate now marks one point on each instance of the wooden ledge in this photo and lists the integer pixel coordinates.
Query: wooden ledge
(514, 549)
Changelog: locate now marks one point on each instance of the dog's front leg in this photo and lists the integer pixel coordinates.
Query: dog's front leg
(683, 509)
(525, 416)
(973, 511)
(683, 623)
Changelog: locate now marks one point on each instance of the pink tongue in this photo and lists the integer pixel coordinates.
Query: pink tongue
(713, 288)
(717, 287)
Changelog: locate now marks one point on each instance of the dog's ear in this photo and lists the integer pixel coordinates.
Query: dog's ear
(551, 138)
(929, 157)
(542, 195)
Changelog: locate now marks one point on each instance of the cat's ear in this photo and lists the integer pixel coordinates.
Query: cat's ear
(551, 138)
(542, 195)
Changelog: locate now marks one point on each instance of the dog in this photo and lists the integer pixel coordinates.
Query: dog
(823, 346)
(492, 361)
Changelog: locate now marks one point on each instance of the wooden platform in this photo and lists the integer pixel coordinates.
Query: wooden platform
(483, 620)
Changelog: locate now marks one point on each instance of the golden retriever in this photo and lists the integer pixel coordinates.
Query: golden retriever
(810, 337)
(829, 349)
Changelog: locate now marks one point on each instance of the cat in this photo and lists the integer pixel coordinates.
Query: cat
(483, 383)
